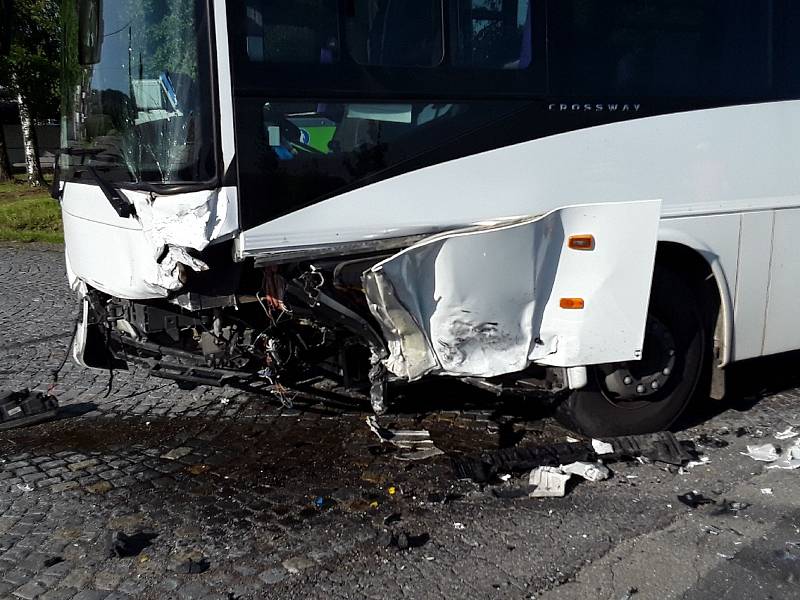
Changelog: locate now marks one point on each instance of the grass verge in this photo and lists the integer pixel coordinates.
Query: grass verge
(28, 214)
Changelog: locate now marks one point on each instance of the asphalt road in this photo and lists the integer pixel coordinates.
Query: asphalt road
(256, 500)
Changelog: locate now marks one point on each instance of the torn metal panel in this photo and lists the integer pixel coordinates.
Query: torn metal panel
(141, 257)
(190, 220)
(485, 301)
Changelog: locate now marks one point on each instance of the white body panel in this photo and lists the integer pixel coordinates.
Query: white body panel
(783, 325)
(137, 257)
(699, 163)
(486, 302)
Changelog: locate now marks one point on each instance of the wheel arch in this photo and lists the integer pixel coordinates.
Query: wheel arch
(678, 249)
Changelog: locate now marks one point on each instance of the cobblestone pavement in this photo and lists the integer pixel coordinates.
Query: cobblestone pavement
(228, 495)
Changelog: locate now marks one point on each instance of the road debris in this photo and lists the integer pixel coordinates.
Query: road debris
(694, 499)
(766, 491)
(190, 566)
(122, 545)
(600, 447)
(763, 453)
(786, 434)
(662, 447)
(176, 453)
(548, 482)
(733, 507)
(589, 471)
(413, 444)
(25, 487)
(711, 442)
(789, 459)
(297, 564)
(23, 407)
(703, 460)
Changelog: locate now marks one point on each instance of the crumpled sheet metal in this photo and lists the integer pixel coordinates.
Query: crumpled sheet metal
(484, 301)
(189, 220)
(175, 225)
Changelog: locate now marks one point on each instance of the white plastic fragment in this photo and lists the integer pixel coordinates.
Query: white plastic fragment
(549, 482)
(589, 471)
(25, 487)
(703, 460)
(763, 453)
(601, 447)
(459, 526)
(786, 434)
(572, 440)
(766, 491)
(789, 460)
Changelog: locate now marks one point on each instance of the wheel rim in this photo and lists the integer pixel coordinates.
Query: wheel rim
(634, 384)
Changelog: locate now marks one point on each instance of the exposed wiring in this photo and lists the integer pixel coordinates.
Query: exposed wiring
(57, 370)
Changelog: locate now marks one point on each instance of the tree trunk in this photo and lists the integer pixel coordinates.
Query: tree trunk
(6, 173)
(32, 164)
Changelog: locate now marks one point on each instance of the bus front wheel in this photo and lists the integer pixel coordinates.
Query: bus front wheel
(650, 394)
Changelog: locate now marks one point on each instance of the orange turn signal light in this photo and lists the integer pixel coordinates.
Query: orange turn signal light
(572, 303)
(581, 242)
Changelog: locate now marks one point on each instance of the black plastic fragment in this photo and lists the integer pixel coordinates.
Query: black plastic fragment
(24, 407)
(662, 447)
(694, 499)
(711, 442)
(122, 545)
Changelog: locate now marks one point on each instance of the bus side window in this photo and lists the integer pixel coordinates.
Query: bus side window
(787, 48)
(492, 34)
(395, 33)
(292, 31)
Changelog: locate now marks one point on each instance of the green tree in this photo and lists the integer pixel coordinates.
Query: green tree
(30, 70)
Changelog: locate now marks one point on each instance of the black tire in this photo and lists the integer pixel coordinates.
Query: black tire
(676, 317)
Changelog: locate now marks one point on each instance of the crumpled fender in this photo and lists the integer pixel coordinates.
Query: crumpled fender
(486, 301)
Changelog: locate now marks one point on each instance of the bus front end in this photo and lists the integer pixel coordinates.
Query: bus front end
(268, 191)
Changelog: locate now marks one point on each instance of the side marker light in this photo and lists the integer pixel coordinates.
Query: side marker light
(572, 303)
(581, 242)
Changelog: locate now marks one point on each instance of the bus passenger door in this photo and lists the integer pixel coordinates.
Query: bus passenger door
(783, 299)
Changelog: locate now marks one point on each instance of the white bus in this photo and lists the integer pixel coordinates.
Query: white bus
(589, 200)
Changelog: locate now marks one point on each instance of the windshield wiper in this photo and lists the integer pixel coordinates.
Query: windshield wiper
(116, 199)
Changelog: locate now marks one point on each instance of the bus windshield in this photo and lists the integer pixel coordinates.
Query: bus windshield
(136, 91)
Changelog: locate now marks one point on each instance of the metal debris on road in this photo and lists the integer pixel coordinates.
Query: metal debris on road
(413, 444)
(763, 453)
